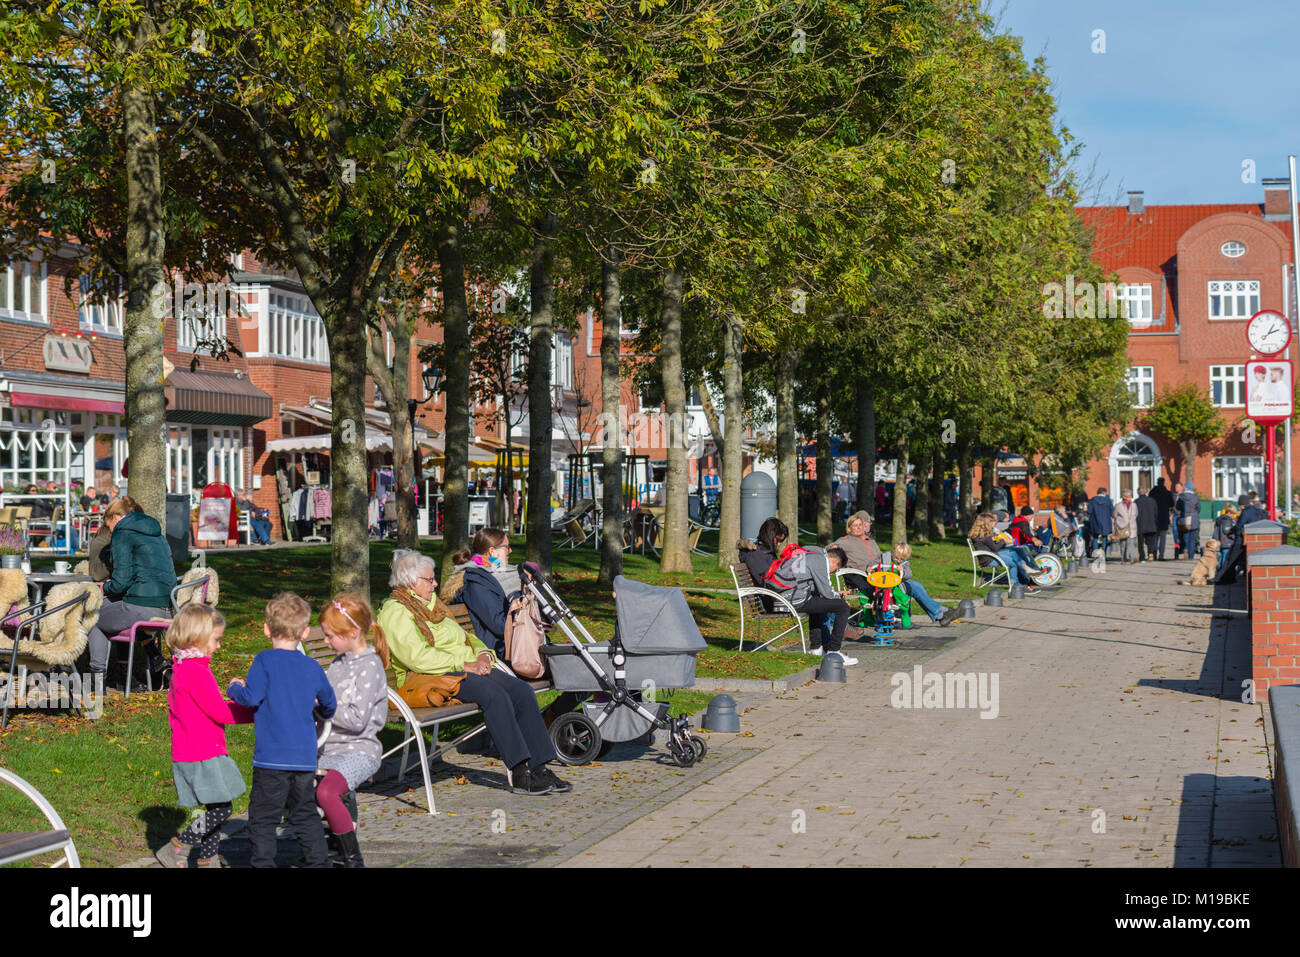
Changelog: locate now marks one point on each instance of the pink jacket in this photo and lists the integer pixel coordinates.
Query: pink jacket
(198, 713)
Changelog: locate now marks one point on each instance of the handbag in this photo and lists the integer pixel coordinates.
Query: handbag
(430, 691)
(524, 636)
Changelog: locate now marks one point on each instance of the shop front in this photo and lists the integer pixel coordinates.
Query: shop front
(208, 417)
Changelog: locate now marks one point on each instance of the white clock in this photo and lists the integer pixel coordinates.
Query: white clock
(1268, 332)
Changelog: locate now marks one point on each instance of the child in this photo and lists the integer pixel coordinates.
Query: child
(284, 685)
(902, 555)
(352, 753)
(202, 769)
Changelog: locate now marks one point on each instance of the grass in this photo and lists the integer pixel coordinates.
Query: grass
(111, 779)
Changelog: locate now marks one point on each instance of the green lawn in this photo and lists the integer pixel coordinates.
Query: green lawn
(111, 778)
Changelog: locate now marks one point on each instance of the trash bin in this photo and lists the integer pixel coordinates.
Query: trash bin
(693, 506)
(178, 528)
(757, 503)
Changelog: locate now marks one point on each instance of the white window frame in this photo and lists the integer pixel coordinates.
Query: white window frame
(1142, 385)
(18, 272)
(1226, 377)
(1135, 299)
(1226, 298)
(180, 460)
(294, 329)
(562, 361)
(226, 456)
(1237, 246)
(36, 446)
(1238, 474)
(100, 314)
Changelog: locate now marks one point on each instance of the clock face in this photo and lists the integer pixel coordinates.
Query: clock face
(1269, 332)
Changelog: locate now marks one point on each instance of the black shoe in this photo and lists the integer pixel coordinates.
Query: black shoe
(349, 849)
(558, 785)
(524, 781)
(949, 616)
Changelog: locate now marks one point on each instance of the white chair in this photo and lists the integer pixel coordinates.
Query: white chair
(990, 573)
(21, 845)
(751, 595)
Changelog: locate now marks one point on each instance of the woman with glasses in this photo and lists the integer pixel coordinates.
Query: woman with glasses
(430, 653)
(486, 582)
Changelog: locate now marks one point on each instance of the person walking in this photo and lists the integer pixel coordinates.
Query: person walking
(1188, 508)
(1146, 525)
(1101, 519)
(1126, 528)
(1164, 500)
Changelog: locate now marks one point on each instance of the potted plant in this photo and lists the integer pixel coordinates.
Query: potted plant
(13, 547)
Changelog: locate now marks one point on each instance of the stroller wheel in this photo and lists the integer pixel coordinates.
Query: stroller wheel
(576, 738)
(684, 754)
(701, 749)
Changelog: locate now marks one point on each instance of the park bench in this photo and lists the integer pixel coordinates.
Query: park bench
(751, 598)
(20, 845)
(418, 720)
(984, 576)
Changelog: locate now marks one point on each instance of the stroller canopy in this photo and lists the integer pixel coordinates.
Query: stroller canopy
(654, 620)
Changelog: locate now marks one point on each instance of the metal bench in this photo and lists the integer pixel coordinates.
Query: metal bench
(991, 572)
(751, 598)
(20, 845)
(419, 720)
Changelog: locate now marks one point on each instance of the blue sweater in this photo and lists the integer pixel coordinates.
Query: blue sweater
(284, 686)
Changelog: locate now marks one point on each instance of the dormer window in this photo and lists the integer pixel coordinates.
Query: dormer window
(1233, 249)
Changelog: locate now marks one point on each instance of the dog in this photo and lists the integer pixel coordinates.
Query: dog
(1207, 566)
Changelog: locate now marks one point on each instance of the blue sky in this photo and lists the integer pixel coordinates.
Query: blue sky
(1185, 92)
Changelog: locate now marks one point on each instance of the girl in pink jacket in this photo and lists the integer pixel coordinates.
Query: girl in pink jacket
(202, 769)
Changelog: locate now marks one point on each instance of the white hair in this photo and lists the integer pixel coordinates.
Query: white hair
(408, 567)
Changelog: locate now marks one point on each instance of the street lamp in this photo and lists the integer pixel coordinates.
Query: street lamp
(432, 377)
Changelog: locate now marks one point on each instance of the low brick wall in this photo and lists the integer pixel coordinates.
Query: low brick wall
(1284, 704)
(1274, 588)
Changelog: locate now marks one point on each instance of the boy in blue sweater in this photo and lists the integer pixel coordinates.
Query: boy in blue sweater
(285, 686)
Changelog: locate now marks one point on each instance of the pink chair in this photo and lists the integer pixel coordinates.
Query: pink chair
(152, 629)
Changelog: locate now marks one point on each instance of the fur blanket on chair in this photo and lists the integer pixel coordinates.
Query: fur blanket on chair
(193, 594)
(64, 634)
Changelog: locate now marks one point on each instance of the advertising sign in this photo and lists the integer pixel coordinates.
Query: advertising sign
(1268, 390)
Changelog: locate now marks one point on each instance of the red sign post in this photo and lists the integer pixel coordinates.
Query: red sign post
(1269, 396)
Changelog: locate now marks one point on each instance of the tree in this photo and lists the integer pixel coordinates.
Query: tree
(1186, 415)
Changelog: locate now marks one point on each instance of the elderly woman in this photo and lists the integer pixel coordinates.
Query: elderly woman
(425, 643)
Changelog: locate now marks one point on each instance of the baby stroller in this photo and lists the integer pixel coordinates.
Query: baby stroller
(654, 646)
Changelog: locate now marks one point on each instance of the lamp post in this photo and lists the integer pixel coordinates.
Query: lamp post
(432, 377)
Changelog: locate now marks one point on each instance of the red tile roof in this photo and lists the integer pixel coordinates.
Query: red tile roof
(1151, 239)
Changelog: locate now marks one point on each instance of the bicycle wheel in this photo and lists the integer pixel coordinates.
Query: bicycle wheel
(1050, 569)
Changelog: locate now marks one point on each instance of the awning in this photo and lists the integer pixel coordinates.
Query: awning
(33, 400)
(214, 399)
(376, 441)
(478, 457)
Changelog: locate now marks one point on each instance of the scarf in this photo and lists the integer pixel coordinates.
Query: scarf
(424, 615)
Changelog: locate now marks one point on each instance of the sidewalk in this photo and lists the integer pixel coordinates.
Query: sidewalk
(1120, 740)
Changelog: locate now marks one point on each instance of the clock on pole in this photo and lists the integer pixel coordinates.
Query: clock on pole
(1268, 386)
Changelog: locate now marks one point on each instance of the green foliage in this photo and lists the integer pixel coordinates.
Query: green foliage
(1184, 413)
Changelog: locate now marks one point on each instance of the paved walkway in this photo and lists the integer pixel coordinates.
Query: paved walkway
(1120, 739)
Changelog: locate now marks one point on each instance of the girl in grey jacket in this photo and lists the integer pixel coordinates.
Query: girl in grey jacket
(352, 752)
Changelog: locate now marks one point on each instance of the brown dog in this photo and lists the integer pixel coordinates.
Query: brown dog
(1207, 566)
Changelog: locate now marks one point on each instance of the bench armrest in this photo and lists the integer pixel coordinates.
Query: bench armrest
(768, 593)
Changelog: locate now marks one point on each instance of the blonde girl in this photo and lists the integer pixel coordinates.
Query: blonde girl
(351, 753)
(202, 769)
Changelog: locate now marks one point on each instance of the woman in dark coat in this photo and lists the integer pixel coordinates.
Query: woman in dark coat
(486, 583)
(1147, 526)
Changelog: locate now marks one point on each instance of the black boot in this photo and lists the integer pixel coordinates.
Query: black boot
(350, 802)
(349, 849)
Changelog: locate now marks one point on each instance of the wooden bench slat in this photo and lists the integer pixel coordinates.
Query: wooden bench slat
(22, 843)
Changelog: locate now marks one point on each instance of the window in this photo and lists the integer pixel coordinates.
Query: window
(100, 308)
(693, 398)
(1234, 298)
(226, 457)
(1142, 385)
(194, 332)
(1135, 298)
(562, 361)
(1233, 249)
(35, 446)
(1238, 475)
(1228, 385)
(22, 291)
(179, 460)
(296, 330)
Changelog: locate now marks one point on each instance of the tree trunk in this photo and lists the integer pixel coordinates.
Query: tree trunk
(787, 463)
(394, 386)
(611, 544)
(938, 531)
(540, 350)
(825, 470)
(965, 479)
(711, 416)
(1188, 449)
(456, 350)
(349, 485)
(733, 453)
(142, 333)
(921, 517)
(986, 481)
(676, 553)
(900, 490)
(866, 442)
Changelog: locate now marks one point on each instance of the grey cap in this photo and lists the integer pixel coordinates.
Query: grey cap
(1243, 499)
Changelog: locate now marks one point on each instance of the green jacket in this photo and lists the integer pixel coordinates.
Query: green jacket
(143, 573)
(408, 650)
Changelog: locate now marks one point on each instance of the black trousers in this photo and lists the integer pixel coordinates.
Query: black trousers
(818, 606)
(511, 715)
(1146, 544)
(273, 793)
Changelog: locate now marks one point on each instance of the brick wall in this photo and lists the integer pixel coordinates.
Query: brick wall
(1275, 617)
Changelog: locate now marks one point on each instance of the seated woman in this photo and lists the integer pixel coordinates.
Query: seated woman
(99, 554)
(982, 537)
(424, 640)
(140, 588)
(771, 539)
(486, 584)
